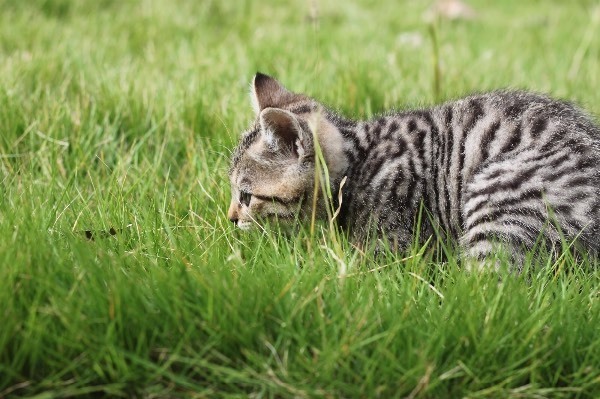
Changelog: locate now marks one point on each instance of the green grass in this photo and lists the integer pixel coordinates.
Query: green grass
(124, 113)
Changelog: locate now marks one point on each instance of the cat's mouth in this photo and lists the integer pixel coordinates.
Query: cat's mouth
(264, 221)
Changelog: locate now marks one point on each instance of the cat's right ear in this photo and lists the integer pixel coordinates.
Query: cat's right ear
(267, 92)
(281, 129)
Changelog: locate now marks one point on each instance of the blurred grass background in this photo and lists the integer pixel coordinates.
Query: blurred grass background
(122, 114)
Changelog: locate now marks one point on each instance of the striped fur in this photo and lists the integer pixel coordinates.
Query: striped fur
(506, 167)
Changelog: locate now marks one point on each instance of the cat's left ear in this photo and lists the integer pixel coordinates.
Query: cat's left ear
(281, 129)
(268, 92)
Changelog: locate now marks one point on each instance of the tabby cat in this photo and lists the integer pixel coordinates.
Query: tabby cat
(507, 168)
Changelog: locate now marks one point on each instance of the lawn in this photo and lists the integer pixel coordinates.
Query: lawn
(117, 120)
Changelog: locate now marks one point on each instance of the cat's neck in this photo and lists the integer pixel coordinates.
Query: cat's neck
(331, 134)
(345, 146)
(346, 143)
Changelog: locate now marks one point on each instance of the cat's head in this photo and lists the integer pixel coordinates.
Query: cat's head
(272, 169)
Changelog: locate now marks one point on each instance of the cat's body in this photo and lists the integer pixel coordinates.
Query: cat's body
(505, 167)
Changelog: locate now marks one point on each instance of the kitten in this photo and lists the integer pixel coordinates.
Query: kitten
(506, 167)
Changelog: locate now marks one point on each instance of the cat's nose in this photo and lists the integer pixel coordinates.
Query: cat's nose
(232, 214)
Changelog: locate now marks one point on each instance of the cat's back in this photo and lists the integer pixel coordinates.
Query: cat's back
(502, 125)
(517, 159)
(532, 118)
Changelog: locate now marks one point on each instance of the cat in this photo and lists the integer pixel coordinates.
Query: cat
(505, 168)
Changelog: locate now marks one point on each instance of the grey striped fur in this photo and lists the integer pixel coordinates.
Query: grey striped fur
(506, 167)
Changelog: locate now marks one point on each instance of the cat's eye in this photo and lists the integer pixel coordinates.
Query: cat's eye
(245, 198)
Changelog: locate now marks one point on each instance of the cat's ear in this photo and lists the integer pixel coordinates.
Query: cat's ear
(267, 92)
(281, 129)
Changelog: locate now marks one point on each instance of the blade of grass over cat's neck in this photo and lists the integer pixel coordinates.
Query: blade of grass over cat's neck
(323, 187)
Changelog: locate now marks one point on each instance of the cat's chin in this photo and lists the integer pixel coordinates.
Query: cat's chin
(246, 226)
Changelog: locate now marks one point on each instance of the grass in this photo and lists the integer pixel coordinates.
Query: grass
(122, 114)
